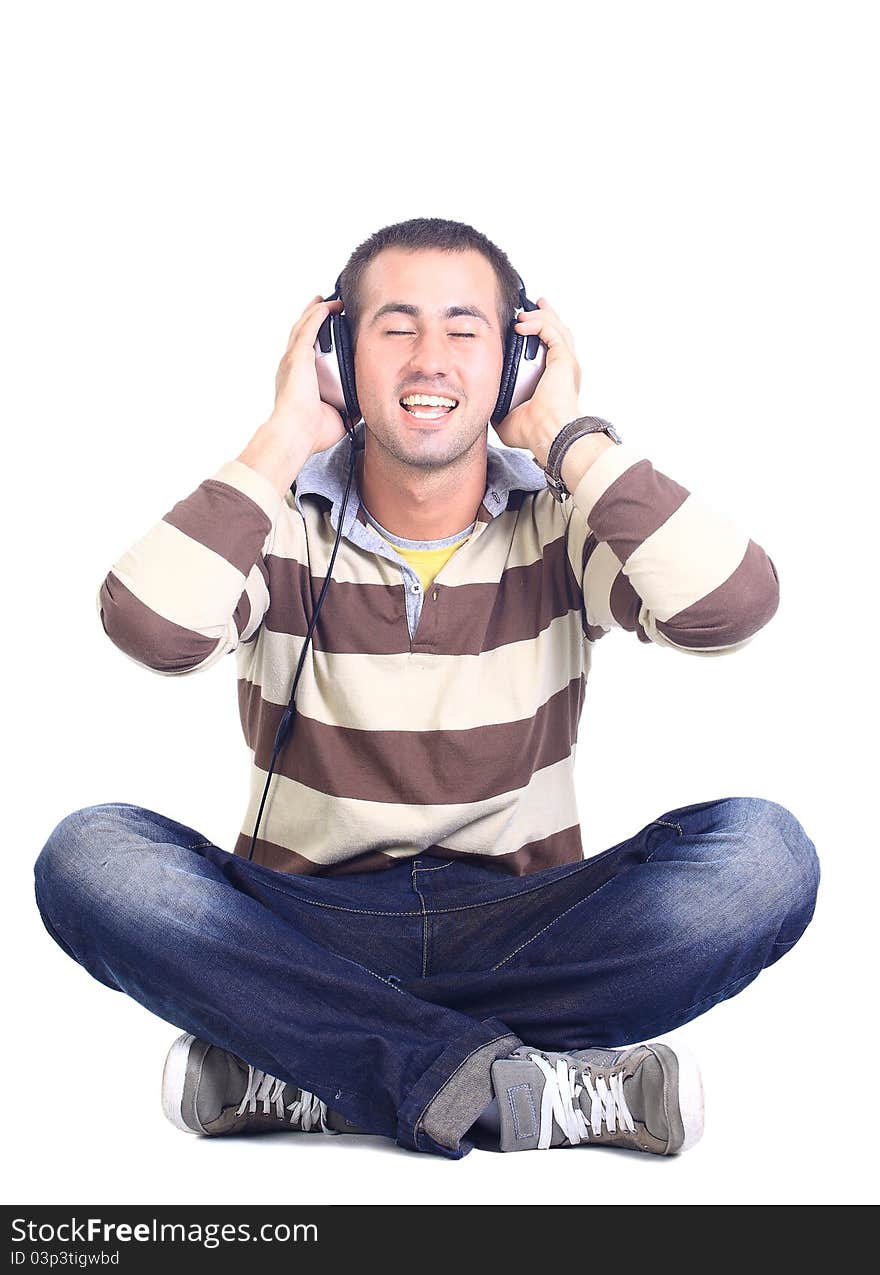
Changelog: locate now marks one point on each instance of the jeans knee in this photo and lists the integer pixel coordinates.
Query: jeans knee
(770, 878)
(75, 848)
(746, 868)
(791, 866)
(788, 854)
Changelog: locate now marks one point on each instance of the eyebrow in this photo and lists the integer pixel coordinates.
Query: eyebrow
(451, 312)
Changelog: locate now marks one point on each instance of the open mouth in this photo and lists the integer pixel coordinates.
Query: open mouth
(428, 407)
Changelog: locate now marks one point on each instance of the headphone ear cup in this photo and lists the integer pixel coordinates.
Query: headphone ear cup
(512, 353)
(345, 357)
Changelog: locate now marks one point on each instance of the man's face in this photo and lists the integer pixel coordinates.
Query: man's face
(429, 325)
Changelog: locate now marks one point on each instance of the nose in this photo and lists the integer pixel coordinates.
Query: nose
(429, 354)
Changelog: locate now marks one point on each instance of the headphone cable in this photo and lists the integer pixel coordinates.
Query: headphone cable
(287, 719)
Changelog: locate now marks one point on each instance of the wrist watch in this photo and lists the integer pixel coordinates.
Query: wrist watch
(569, 434)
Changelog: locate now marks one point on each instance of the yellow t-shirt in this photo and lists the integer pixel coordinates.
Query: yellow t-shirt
(427, 562)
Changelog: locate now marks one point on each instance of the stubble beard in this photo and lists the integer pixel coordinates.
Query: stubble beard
(430, 453)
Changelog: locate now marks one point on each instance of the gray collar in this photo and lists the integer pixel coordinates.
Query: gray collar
(326, 474)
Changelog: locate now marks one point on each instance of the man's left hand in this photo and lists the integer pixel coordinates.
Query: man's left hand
(535, 423)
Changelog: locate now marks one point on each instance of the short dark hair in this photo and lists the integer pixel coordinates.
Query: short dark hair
(420, 234)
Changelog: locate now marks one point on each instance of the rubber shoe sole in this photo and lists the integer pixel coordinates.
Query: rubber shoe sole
(691, 1100)
(173, 1080)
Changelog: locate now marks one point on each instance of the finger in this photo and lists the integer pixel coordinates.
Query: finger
(550, 331)
(311, 319)
(547, 309)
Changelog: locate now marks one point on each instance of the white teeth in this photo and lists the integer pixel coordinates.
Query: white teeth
(427, 400)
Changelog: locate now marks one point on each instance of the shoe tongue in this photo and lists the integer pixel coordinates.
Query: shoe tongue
(518, 1085)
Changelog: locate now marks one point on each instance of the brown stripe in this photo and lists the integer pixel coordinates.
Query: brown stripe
(640, 500)
(734, 611)
(432, 767)
(590, 546)
(147, 637)
(464, 619)
(626, 605)
(549, 852)
(225, 520)
(516, 498)
(366, 619)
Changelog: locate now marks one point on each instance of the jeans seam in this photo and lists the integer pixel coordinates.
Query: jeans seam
(335, 907)
(381, 977)
(666, 824)
(546, 927)
(586, 898)
(424, 916)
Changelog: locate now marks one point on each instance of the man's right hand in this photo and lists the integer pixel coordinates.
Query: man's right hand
(299, 410)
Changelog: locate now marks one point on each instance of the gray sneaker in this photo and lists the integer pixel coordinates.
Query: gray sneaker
(208, 1090)
(643, 1097)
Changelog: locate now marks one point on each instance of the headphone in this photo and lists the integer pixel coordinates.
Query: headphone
(524, 361)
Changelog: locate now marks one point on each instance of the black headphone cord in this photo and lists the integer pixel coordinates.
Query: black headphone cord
(287, 719)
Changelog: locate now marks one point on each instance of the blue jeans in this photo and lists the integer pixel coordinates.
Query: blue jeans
(389, 993)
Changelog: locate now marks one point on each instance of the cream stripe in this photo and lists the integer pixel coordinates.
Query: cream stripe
(422, 692)
(182, 580)
(330, 829)
(240, 476)
(258, 594)
(605, 470)
(692, 553)
(600, 574)
(576, 537)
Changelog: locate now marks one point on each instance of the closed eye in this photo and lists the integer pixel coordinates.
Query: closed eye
(401, 332)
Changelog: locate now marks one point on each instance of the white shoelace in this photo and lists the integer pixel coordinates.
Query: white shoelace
(561, 1089)
(307, 1111)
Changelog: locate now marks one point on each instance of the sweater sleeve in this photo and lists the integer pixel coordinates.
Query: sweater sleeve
(196, 585)
(656, 560)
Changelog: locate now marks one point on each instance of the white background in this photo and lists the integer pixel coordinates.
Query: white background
(692, 187)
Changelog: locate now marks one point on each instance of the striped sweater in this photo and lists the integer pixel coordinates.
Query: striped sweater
(429, 722)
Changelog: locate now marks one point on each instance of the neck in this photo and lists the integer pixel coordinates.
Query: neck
(418, 503)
